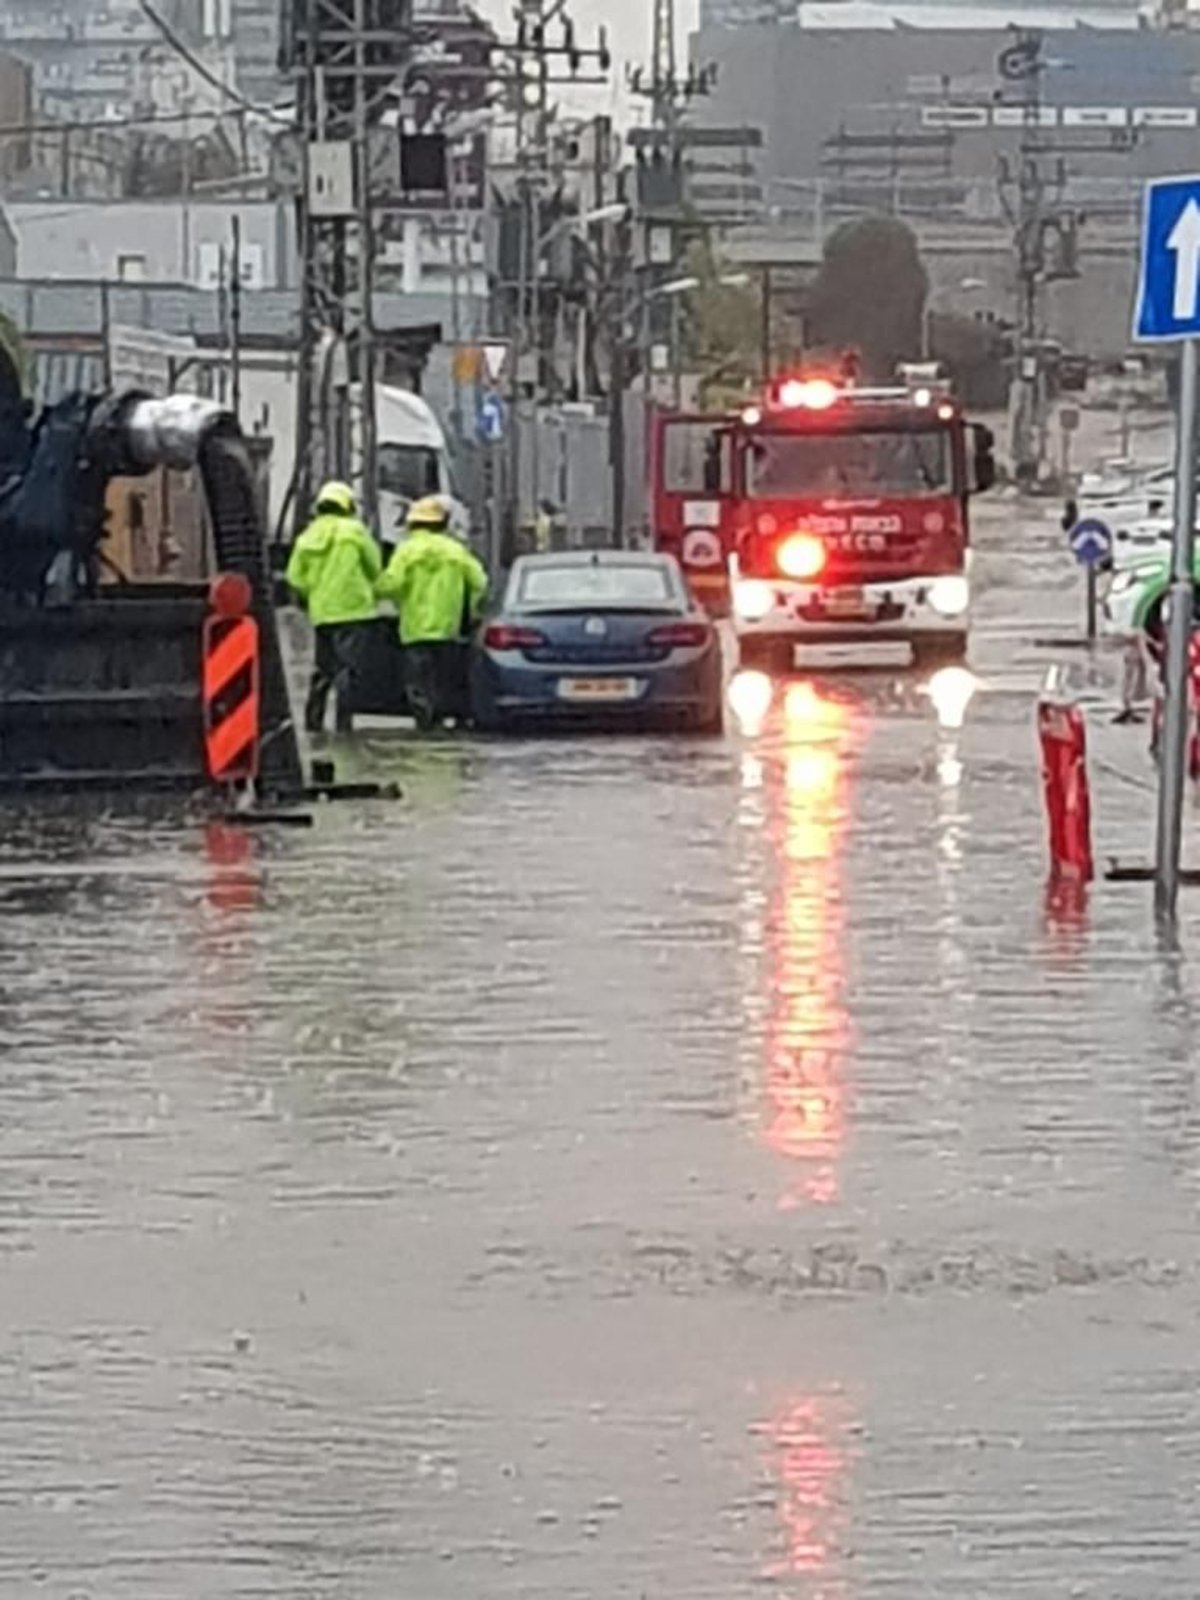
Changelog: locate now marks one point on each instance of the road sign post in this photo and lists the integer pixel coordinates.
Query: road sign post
(1169, 308)
(1180, 604)
(1090, 625)
(1091, 543)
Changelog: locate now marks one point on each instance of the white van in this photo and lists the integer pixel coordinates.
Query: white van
(413, 458)
(413, 461)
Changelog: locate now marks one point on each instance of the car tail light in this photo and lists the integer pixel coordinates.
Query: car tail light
(801, 556)
(681, 635)
(504, 636)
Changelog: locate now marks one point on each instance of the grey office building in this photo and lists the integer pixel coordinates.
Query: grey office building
(904, 106)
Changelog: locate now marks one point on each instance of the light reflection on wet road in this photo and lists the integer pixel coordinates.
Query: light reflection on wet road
(618, 1170)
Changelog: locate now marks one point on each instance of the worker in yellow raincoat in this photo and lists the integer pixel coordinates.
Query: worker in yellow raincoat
(334, 567)
(438, 588)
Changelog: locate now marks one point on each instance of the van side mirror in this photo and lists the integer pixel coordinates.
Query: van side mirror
(983, 474)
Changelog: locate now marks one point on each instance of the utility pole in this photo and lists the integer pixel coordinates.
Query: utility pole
(344, 55)
(456, 403)
(766, 330)
(534, 57)
(1180, 623)
(1022, 63)
(1045, 238)
(661, 196)
(235, 319)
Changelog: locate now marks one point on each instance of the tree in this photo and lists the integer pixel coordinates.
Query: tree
(870, 295)
(977, 357)
(721, 329)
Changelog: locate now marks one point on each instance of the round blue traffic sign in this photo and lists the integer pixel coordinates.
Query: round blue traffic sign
(1091, 541)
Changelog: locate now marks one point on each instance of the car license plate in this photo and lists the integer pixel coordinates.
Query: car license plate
(598, 691)
(847, 603)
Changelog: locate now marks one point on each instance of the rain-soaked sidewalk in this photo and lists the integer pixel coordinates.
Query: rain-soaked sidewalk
(619, 1169)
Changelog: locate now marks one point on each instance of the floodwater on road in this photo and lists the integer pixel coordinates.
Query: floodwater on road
(619, 1169)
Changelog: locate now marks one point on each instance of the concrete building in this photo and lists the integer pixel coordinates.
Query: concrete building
(102, 59)
(870, 106)
(985, 14)
(256, 47)
(172, 242)
(249, 29)
(143, 241)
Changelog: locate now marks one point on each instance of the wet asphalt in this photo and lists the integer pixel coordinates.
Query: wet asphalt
(618, 1169)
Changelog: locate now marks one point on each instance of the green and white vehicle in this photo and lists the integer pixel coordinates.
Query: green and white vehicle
(1133, 603)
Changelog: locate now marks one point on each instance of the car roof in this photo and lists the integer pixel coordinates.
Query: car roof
(595, 558)
(588, 560)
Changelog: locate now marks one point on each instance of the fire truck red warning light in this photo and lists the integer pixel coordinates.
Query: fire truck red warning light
(809, 394)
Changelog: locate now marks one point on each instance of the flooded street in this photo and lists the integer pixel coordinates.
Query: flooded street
(619, 1169)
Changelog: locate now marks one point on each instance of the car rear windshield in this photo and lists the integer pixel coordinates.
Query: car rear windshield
(622, 585)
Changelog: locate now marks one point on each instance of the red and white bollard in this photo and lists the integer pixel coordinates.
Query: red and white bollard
(1159, 711)
(1062, 734)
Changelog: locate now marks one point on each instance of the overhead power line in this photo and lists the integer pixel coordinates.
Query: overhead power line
(182, 49)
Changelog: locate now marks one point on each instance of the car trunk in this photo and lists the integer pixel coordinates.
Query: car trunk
(599, 638)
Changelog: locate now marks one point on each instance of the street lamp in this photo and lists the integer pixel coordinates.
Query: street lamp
(665, 291)
(616, 212)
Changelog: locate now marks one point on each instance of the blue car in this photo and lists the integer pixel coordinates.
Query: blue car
(607, 637)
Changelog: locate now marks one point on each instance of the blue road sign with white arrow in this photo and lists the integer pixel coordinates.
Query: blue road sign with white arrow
(1168, 304)
(1091, 541)
(489, 422)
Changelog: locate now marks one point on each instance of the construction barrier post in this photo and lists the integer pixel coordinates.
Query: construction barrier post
(1063, 738)
(231, 683)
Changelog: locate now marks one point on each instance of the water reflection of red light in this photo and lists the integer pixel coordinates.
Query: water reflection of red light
(235, 881)
(806, 1030)
(1065, 919)
(808, 1467)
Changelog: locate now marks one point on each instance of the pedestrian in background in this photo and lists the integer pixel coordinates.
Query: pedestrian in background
(334, 567)
(438, 588)
(543, 527)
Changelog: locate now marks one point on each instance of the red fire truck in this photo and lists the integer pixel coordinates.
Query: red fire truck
(691, 501)
(841, 513)
(850, 517)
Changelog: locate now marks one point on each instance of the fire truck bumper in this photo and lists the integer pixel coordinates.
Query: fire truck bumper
(907, 610)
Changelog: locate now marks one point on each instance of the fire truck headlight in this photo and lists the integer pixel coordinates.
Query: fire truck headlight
(752, 599)
(950, 596)
(802, 556)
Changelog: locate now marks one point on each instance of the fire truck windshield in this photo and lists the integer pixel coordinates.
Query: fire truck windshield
(783, 465)
(689, 460)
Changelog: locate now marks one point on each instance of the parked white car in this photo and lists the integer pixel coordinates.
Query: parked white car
(1136, 509)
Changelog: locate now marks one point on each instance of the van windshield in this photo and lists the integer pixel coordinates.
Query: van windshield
(408, 470)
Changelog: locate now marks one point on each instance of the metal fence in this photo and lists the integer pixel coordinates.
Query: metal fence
(564, 461)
